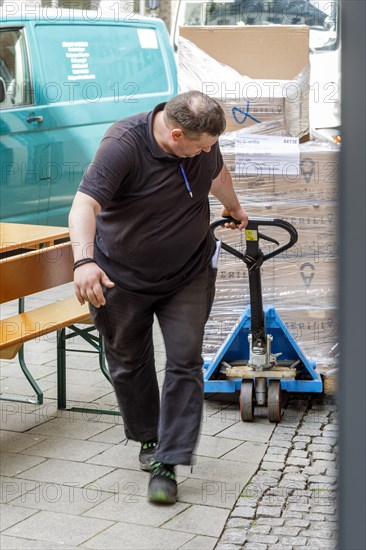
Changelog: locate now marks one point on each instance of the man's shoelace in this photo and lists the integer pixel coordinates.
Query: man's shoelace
(149, 445)
(158, 469)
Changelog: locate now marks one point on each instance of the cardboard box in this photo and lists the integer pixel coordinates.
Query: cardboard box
(261, 52)
(276, 58)
(317, 180)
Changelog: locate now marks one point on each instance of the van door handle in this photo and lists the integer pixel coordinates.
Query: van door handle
(35, 119)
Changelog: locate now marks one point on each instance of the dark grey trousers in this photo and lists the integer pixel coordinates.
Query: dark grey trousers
(126, 324)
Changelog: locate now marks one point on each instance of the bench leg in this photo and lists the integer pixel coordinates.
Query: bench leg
(31, 380)
(29, 377)
(61, 369)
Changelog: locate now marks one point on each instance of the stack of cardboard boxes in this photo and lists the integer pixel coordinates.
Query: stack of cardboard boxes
(275, 176)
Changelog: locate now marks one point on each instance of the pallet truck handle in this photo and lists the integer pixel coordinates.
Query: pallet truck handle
(253, 225)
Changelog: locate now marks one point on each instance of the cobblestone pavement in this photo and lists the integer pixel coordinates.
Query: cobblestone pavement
(291, 500)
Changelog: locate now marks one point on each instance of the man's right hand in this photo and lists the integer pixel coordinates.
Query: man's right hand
(89, 280)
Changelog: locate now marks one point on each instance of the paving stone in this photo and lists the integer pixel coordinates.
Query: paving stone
(316, 417)
(273, 500)
(66, 449)
(224, 546)
(323, 463)
(300, 445)
(279, 443)
(137, 510)
(292, 470)
(309, 430)
(274, 522)
(296, 522)
(248, 452)
(331, 428)
(304, 493)
(286, 531)
(235, 536)
(315, 469)
(294, 541)
(13, 464)
(324, 479)
(277, 458)
(201, 543)
(280, 430)
(284, 436)
(283, 492)
(254, 546)
(292, 514)
(298, 507)
(201, 520)
(269, 512)
(303, 438)
(202, 491)
(272, 450)
(302, 462)
(59, 528)
(318, 509)
(298, 498)
(235, 523)
(262, 539)
(316, 517)
(65, 472)
(321, 543)
(311, 423)
(124, 536)
(321, 532)
(273, 476)
(326, 440)
(321, 448)
(294, 477)
(243, 512)
(299, 454)
(273, 466)
(317, 455)
(10, 515)
(260, 529)
(54, 497)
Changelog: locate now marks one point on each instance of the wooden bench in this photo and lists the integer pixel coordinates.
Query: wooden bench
(25, 274)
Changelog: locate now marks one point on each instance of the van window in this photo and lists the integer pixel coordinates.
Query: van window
(14, 68)
(102, 61)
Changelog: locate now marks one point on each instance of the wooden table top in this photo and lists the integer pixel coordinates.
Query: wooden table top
(14, 236)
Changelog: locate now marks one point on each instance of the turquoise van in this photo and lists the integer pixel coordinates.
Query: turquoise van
(64, 79)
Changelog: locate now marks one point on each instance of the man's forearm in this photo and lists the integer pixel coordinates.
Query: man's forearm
(222, 188)
(82, 225)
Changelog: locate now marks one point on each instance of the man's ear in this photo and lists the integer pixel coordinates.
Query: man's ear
(176, 134)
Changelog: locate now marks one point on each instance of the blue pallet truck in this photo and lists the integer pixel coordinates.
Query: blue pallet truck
(260, 358)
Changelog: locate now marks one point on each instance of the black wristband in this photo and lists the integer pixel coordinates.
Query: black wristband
(82, 262)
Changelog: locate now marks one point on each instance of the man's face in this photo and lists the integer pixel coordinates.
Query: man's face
(185, 147)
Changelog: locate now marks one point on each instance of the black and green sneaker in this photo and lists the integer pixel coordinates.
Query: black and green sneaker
(147, 454)
(162, 486)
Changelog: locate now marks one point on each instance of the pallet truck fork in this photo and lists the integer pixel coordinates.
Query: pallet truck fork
(260, 357)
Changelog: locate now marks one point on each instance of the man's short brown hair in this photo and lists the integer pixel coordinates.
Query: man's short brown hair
(195, 113)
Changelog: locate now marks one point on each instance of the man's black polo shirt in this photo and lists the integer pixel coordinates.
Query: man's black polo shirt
(151, 235)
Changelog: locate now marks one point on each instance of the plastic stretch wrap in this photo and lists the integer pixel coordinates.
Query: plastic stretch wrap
(281, 106)
(316, 182)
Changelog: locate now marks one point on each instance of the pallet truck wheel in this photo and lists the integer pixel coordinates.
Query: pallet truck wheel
(274, 401)
(247, 401)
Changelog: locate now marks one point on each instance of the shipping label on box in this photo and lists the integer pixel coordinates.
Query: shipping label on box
(316, 180)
